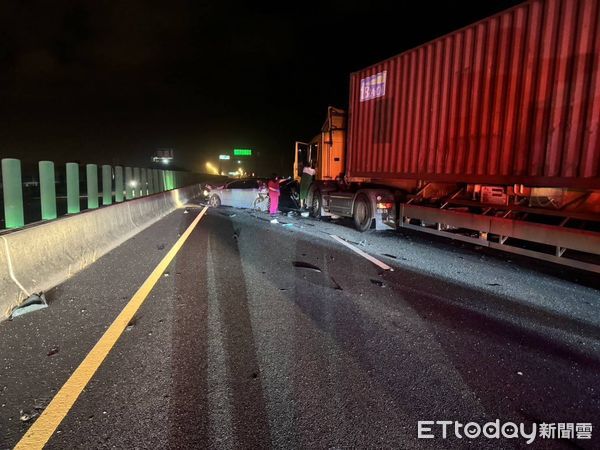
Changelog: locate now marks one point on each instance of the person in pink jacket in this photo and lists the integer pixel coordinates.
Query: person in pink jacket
(273, 185)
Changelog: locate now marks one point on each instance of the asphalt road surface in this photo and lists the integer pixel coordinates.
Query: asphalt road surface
(264, 335)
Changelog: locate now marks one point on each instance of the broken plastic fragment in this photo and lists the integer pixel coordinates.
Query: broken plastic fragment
(25, 416)
(378, 282)
(33, 303)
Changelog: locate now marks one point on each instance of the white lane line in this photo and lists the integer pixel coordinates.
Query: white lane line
(375, 261)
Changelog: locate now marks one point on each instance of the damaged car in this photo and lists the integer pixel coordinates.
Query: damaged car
(251, 194)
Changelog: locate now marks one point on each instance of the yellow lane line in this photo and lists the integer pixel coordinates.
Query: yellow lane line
(40, 432)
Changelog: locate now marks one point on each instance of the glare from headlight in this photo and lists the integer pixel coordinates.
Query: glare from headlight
(205, 192)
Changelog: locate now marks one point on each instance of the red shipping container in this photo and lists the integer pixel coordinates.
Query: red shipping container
(512, 99)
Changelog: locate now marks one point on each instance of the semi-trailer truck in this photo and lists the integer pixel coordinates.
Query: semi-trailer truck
(489, 134)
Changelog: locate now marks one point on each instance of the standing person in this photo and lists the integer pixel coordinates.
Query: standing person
(308, 174)
(273, 185)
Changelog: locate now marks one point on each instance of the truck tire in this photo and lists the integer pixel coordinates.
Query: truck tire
(315, 204)
(214, 201)
(362, 213)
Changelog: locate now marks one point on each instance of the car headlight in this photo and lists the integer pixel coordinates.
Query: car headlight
(205, 192)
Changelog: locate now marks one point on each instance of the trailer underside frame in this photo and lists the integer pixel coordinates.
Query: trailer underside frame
(578, 248)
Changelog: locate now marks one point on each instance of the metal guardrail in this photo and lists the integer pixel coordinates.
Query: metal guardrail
(117, 185)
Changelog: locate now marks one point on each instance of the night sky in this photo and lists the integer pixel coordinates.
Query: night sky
(111, 81)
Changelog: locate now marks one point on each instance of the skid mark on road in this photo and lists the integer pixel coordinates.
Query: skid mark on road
(219, 395)
(249, 409)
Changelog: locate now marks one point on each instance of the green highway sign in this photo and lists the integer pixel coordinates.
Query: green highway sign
(242, 152)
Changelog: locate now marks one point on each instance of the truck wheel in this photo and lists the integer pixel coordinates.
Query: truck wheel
(362, 214)
(315, 205)
(214, 201)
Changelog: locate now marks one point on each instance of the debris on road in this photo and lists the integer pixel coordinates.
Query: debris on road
(186, 211)
(54, 350)
(33, 303)
(41, 404)
(160, 247)
(166, 274)
(377, 282)
(361, 243)
(305, 265)
(25, 416)
(389, 256)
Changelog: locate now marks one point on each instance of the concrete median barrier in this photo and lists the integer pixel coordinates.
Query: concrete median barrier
(37, 258)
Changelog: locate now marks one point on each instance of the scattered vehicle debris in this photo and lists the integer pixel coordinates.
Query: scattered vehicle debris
(25, 416)
(54, 350)
(33, 303)
(377, 282)
(389, 256)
